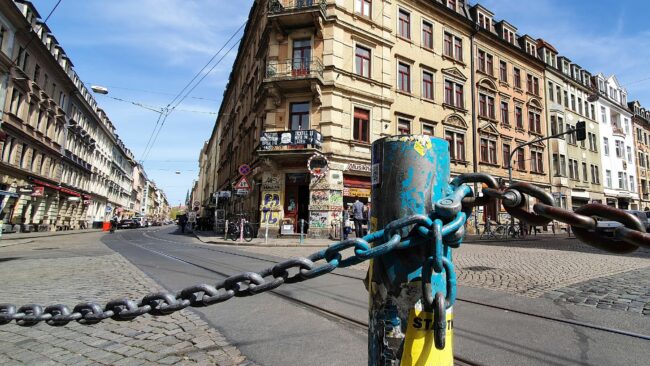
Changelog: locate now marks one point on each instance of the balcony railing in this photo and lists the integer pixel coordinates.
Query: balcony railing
(281, 6)
(295, 68)
(296, 139)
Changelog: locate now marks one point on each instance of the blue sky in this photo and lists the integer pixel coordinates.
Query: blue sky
(137, 47)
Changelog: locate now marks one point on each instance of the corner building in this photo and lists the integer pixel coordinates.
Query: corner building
(641, 123)
(330, 78)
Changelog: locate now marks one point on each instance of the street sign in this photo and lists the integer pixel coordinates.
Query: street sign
(242, 192)
(109, 208)
(244, 169)
(197, 203)
(243, 184)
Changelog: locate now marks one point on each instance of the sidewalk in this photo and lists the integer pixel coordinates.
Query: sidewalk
(212, 238)
(34, 235)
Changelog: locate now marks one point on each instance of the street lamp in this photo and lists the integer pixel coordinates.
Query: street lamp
(99, 89)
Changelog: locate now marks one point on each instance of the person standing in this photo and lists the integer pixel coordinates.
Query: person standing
(357, 216)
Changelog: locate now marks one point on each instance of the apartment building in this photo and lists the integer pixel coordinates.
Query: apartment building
(510, 103)
(617, 154)
(60, 154)
(575, 166)
(641, 123)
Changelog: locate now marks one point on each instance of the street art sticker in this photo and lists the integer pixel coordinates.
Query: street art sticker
(336, 198)
(318, 219)
(319, 197)
(270, 217)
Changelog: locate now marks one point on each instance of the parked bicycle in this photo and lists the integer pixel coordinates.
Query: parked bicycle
(235, 225)
(489, 232)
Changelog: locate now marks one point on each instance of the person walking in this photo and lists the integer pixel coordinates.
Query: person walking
(182, 222)
(357, 216)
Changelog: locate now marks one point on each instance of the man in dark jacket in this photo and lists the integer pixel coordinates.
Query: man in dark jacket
(357, 216)
(182, 222)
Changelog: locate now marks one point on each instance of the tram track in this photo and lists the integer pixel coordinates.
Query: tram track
(320, 310)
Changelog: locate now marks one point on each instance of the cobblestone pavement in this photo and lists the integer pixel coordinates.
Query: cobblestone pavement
(628, 291)
(523, 268)
(87, 270)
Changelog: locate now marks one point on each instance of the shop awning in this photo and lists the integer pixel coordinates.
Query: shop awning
(354, 181)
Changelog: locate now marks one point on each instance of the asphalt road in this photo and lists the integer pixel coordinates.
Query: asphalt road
(270, 330)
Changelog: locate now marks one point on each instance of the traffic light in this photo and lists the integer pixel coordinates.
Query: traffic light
(581, 131)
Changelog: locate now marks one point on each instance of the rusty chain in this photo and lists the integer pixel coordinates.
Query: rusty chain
(443, 227)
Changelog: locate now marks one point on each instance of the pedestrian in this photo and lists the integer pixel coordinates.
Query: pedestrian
(357, 216)
(182, 222)
(346, 230)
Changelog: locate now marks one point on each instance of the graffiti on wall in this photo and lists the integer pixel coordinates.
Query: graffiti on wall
(318, 219)
(271, 200)
(271, 182)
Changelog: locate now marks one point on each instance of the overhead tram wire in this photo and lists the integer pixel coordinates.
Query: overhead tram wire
(168, 111)
(144, 158)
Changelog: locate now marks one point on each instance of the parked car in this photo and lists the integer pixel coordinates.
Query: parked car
(127, 224)
(608, 227)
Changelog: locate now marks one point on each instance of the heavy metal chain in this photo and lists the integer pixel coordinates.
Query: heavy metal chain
(442, 229)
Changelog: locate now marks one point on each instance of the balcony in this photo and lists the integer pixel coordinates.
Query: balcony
(293, 141)
(296, 13)
(294, 74)
(617, 131)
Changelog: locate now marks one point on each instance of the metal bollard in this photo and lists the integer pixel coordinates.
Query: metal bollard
(409, 174)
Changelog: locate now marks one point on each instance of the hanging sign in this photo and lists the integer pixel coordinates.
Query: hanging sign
(318, 165)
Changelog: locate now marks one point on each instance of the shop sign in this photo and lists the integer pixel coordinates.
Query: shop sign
(26, 189)
(356, 192)
(318, 165)
(269, 140)
(357, 167)
(38, 191)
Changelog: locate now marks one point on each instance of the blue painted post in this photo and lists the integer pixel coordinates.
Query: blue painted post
(409, 174)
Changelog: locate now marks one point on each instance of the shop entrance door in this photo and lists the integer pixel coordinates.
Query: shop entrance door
(296, 200)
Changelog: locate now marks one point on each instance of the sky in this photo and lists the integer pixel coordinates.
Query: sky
(146, 51)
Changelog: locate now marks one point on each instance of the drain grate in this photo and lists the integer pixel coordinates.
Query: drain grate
(479, 268)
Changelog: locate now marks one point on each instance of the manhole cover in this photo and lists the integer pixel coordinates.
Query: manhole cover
(479, 268)
(44, 248)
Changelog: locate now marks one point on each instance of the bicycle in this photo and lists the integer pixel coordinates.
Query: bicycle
(489, 233)
(234, 227)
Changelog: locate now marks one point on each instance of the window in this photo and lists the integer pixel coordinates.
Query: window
(519, 117)
(594, 174)
(451, 4)
(364, 7)
(505, 113)
(606, 146)
(404, 77)
(619, 149)
(626, 123)
(488, 151)
(361, 125)
(503, 71)
(573, 169)
(593, 146)
(61, 99)
(621, 180)
(629, 154)
(579, 105)
(536, 161)
(603, 115)
(33, 161)
(632, 189)
(521, 159)
(486, 106)
(427, 85)
(558, 92)
(23, 155)
(301, 57)
(453, 46)
(573, 102)
(585, 177)
(553, 125)
(506, 155)
(484, 21)
(534, 122)
(517, 77)
(550, 92)
(404, 24)
(485, 62)
(7, 149)
(299, 116)
(37, 73)
(16, 102)
(562, 165)
(427, 34)
(593, 111)
(403, 126)
(362, 58)
(641, 160)
(571, 138)
(456, 142)
(608, 178)
(22, 59)
(427, 129)
(454, 94)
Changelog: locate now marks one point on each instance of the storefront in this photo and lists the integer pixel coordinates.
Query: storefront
(355, 188)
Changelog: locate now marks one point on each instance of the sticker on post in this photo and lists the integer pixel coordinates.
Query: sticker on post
(376, 174)
(419, 346)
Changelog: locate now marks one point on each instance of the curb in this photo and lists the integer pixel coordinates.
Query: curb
(245, 244)
(49, 234)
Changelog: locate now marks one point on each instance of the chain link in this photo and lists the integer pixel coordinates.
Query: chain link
(442, 229)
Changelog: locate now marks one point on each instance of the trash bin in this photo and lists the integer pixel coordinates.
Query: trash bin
(106, 226)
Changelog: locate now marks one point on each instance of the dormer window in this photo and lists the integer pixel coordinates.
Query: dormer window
(531, 49)
(484, 21)
(509, 35)
(451, 4)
